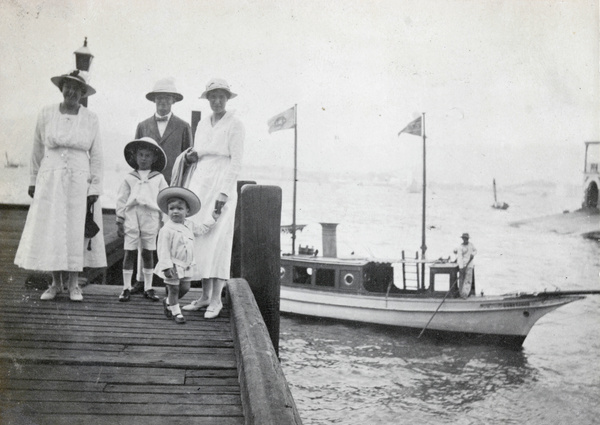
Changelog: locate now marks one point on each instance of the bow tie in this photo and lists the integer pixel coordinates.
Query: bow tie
(165, 118)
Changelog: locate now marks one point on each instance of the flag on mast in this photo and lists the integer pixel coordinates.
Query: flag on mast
(283, 121)
(414, 127)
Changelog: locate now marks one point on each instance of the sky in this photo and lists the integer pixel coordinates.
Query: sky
(509, 88)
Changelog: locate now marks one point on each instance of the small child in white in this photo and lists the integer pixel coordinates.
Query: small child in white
(176, 245)
(138, 214)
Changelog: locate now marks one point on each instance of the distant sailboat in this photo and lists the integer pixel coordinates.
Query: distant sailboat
(10, 164)
(498, 205)
(414, 187)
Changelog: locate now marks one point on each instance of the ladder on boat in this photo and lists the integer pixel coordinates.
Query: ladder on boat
(411, 277)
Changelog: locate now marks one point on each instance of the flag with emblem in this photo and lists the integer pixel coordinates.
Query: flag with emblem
(283, 121)
(414, 127)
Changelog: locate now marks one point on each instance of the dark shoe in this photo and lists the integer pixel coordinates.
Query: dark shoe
(151, 295)
(138, 288)
(168, 311)
(179, 319)
(125, 295)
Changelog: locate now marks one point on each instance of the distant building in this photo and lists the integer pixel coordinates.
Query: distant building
(591, 176)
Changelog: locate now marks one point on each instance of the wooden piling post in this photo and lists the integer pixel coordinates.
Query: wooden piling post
(260, 251)
(196, 115)
(236, 254)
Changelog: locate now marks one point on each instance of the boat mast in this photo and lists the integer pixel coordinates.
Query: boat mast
(295, 178)
(495, 200)
(423, 244)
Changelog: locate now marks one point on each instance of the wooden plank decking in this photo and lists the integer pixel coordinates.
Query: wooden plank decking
(105, 362)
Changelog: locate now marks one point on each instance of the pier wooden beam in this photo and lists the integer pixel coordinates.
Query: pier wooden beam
(260, 250)
(266, 396)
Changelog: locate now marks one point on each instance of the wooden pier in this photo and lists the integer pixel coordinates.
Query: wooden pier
(104, 362)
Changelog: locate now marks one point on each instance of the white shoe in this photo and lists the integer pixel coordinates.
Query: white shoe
(196, 305)
(212, 312)
(75, 294)
(50, 293)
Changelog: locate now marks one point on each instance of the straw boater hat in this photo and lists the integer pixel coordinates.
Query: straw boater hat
(165, 195)
(76, 75)
(147, 142)
(218, 83)
(165, 86)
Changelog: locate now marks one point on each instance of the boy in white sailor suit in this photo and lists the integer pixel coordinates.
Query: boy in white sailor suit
(175, 248)
(138, 214)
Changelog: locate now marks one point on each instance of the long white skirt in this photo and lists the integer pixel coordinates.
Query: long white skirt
(212, 251)
(53, 236)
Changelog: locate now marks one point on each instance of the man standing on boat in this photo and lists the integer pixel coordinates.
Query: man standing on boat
(464, 257)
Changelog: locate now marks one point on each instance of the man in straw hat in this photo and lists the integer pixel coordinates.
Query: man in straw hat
(138, 214)
(464, 257)
(173, 134)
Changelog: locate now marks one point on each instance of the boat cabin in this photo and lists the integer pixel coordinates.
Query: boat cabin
(364, 277)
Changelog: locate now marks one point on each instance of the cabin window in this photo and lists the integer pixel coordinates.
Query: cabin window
(325, 277)
(441, 282)
(303, 275)
(349, 279)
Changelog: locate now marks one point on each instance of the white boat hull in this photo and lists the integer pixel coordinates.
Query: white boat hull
(506, 316)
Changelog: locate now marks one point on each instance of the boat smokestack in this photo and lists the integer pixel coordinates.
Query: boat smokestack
(329, 239)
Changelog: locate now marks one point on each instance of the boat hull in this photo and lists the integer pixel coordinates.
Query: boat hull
(506, 318)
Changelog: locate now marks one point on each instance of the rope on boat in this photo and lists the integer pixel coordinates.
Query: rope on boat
(438, 307)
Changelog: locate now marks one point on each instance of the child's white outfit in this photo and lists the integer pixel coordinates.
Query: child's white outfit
(176, 248)
(137, 208)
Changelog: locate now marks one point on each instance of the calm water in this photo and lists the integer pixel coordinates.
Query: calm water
(344, 373)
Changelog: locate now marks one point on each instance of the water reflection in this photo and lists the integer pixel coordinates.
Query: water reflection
(335, 366)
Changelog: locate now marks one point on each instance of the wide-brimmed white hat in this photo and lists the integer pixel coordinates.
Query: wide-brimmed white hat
(164, 86)
(149, 143)
(165, 195)
(81, 77)
(218, 83)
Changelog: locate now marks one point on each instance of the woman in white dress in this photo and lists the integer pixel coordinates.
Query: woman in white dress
(65, 179)
(217, 157)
